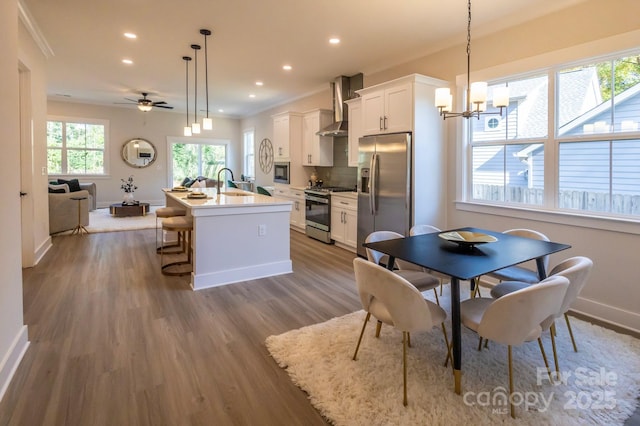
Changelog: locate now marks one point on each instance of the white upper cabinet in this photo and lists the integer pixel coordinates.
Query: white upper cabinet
(316, 150)
(355, 130)
(287, 132)
(387, 109)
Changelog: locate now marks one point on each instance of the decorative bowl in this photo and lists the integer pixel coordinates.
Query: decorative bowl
(467, 238)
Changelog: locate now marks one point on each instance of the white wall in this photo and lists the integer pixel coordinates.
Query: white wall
(13, 334)
(155, 126)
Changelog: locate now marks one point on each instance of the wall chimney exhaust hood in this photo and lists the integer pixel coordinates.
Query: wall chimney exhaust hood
(343, 88)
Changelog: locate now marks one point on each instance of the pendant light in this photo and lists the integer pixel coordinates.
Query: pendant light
(195, 126)
(207, 123)
(476, 103)
(187, 128)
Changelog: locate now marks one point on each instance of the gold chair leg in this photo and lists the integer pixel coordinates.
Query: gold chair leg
(480, 344)
(553, 345)
(476, 288)
(404, 365)
(544, 357)
(441, 285)
(378, 327)
(511, 407)
(446, 342)
(366, 320)
(408, 339)
(566, 318)
(436, 293)
(486, 343)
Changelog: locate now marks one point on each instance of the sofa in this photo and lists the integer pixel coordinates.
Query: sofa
(63, 211)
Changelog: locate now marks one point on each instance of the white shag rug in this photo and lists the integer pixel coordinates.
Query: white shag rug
(100, 220)
(600, 383)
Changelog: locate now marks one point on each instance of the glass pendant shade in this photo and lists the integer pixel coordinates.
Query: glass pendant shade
(195, 128)
(187, 131)
(207, 123)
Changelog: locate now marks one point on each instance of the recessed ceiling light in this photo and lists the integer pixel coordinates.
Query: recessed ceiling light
(287, 67)
(252, 95)
(130, 35)
(220, 110)
(334, 40)
(127, 61)
(259, 83)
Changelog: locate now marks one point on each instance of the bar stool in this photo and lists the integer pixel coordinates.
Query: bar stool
(183, 226)
(166, 212)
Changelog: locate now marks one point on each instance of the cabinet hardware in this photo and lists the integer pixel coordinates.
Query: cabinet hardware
(381, 123)
(385, 122)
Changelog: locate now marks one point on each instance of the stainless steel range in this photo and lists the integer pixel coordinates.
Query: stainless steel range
(318, 211)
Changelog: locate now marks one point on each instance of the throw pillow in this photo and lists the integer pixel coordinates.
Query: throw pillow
(58, 189)
(74, 184)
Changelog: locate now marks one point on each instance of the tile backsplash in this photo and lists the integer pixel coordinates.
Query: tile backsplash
(340, 174)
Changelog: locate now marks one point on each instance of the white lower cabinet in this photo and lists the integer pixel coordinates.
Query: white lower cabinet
(298, 220)
(296, 196)
(344, 221)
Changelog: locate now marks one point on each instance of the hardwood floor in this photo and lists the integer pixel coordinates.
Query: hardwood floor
(115, 342)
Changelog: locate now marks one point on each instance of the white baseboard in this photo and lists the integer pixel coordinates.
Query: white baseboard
(596, 310)
(42, 250)
(12, 359)
(230, 276)
(608, 314)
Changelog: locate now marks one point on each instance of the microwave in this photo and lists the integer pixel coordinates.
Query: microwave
(281, 172)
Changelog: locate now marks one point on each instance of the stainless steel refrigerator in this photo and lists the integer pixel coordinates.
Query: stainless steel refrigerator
(384, 185)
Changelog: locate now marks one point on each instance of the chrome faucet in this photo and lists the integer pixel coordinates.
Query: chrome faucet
(220, 171)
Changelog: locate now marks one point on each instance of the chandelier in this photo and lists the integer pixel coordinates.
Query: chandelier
(476, 102)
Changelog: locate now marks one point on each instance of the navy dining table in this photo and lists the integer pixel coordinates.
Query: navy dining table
(464, 262)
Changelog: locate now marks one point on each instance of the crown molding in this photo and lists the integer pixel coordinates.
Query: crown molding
(32, 27)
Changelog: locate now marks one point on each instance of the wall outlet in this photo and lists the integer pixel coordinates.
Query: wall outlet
(44, 171)
(262, 230)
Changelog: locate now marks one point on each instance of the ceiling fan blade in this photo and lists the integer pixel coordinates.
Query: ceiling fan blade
(158, 103)
(132, 100)
(164, 106)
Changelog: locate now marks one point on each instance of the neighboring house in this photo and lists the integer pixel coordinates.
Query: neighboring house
(585, 169)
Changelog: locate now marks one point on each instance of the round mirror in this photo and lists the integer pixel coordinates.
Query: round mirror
(139, 153)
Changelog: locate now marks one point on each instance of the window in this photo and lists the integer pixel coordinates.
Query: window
(508, 152)
(249, 167)
(594, 111)
(76, 146)
(196, 159)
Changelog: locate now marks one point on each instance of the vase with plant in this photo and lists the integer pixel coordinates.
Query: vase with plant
(128, 186)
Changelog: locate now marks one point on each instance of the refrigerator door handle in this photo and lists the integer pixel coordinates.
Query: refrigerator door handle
(374, 183)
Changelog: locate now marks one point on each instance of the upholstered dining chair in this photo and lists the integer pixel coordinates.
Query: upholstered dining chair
(429, 229)
(396, 302)
(415, 274)
(576, 270)
(263, 191)
(521, 272)
(516, 317)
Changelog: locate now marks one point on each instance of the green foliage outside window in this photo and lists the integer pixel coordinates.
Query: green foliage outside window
(75, 148)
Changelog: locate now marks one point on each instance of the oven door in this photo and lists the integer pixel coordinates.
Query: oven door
(317, 212)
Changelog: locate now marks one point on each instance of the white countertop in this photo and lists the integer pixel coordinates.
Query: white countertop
(349, 195)
(214, 201)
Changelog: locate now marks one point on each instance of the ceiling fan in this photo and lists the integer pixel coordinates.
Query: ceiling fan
(145, 104)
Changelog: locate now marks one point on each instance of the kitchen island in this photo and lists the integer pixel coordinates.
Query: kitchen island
(237, 235)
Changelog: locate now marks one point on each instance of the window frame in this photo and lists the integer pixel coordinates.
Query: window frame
(245, 155)
(549, 211)
(171, 140)
(79, 120)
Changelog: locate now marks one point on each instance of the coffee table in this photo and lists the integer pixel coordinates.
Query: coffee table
(123, 210)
